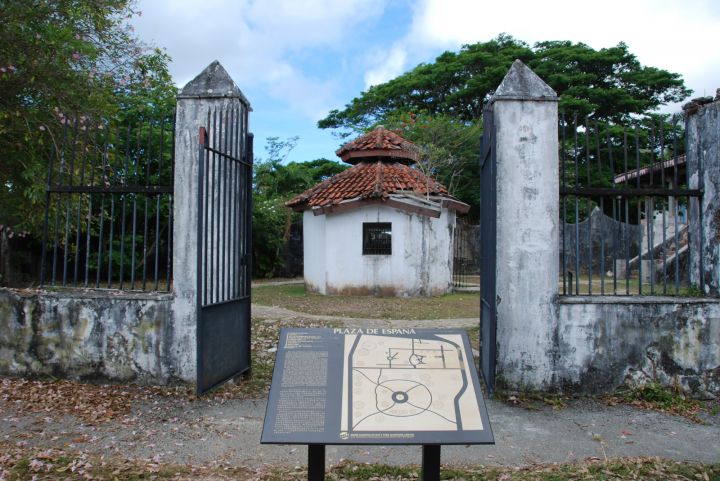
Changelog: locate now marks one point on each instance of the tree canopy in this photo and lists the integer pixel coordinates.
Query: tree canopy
(62, 60)
(608, 84)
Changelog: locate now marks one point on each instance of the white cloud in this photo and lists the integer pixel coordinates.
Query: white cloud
(260, 42)
(391, 65)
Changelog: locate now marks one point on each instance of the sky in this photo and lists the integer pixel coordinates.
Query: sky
(295, 60)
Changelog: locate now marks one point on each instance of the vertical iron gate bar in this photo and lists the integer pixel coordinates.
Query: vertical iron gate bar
(651, 210)
(237, 204)
(675, 210)
(53, 151)
(124, 203)
(602, 210)
(57, 205)
(217, 168)
(208, 241)
(662, 181)
(68, 197)
(589, 203)
(90, 208)
(226, 177)
(626, 238)
(148, 159)
(110, 239)
(136, 166)
(247, 252)
(639, 210)
(169, 269)
(79, 206)
(614, 212)
(577, 207)
(161, 152)
(563, 199)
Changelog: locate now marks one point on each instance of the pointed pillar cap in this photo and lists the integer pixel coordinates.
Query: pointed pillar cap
(213, 82)
(521, 83)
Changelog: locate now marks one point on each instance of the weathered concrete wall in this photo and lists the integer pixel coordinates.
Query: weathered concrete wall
(420, 263)
(601, 343)
(703, 163)
(88, 335)
(525, 116)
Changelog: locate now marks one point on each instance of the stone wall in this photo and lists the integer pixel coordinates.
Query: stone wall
(601, 343)
(81, 334)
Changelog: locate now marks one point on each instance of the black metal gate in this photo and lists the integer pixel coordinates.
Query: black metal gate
(224, 247)
(488, 249)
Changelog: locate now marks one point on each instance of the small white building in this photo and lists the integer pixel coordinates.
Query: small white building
(380, 227)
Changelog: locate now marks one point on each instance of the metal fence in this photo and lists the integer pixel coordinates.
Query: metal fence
(624, 208)
(108, 214)
(466, 256)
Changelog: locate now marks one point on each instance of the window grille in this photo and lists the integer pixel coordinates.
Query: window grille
(377, 238)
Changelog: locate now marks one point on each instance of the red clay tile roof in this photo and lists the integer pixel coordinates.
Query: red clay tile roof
(379, 143)
(367, 180)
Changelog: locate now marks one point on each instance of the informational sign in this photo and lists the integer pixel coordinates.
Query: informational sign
(375, 386)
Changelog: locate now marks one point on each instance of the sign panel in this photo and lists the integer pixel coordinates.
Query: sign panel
(375, 386)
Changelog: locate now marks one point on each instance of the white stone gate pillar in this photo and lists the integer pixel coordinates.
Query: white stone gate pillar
(526, 121)
(212, 89)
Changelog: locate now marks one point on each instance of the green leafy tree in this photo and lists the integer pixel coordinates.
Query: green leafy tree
(274, 183)
(609, 84)
(62, 60)
(449, 151)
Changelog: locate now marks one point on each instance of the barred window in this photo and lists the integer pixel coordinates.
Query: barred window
(377, 238)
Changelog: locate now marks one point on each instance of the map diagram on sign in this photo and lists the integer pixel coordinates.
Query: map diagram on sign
(407, 383)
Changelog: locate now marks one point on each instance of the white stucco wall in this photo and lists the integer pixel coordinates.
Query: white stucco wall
(314, 252)
(420, 263)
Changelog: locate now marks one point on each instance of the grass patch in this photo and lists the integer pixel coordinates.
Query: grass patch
(655, 396)
(25, 463)
(294, 297)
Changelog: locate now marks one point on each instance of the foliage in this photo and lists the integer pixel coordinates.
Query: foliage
(64, 60)
(449, 151)
(609, 84)
(274, 183)
(653, 395)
